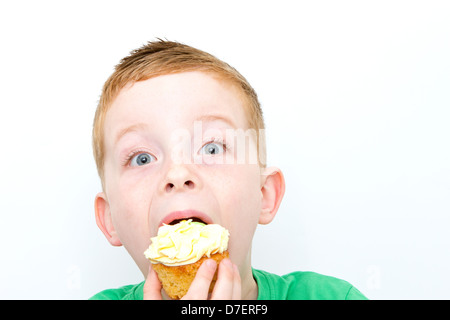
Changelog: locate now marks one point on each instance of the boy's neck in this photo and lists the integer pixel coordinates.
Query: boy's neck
(249, 287)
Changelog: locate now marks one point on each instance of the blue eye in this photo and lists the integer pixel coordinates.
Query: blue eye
(212, 148)
(141, 159)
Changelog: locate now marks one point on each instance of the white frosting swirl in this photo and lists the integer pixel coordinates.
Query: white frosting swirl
(186, 242)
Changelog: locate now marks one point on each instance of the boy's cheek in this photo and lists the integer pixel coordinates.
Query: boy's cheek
(243, 199)
(242, 223)
(129, 202)
(129, 219)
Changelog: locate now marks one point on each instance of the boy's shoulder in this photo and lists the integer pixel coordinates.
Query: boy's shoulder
(128, 292)
(304, 285)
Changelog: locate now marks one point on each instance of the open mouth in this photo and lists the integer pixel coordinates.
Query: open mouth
(194, 219)
(177, 216)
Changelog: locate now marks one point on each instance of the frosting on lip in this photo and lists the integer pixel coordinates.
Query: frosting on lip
(186, 242)
(185, 214)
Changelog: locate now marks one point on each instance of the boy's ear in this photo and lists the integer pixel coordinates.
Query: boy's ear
(104, 220)
(272, 191)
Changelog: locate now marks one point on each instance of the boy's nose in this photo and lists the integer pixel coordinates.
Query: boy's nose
(187, 184)
(179, 178)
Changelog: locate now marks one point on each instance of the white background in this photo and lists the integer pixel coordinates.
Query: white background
(356, 96)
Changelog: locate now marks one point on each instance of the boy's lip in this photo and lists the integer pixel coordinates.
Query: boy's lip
(184, 214)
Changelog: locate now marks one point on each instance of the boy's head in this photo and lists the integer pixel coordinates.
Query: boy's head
(169, 134)
(163, 58)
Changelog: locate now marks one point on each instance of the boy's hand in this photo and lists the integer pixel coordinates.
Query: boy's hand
(227, 287)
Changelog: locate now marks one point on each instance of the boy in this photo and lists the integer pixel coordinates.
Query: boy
(180, 134)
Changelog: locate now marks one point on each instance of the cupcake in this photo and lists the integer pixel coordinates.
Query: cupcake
(178, 250)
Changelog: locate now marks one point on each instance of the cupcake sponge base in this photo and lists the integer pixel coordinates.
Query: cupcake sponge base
(177, 280)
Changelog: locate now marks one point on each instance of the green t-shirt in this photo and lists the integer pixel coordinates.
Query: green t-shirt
(303, 286)
(292, 286)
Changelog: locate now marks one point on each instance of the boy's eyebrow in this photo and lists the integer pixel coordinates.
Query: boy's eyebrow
(213, 117)
(143, 126)
(134, 127)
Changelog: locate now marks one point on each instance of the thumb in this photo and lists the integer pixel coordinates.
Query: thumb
(152, 286)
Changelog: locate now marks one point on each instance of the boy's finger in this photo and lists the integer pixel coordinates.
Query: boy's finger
(200, 286)
(223, 289)
(152, 286)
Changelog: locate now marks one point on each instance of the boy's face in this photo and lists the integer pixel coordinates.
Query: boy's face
(147, 183)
